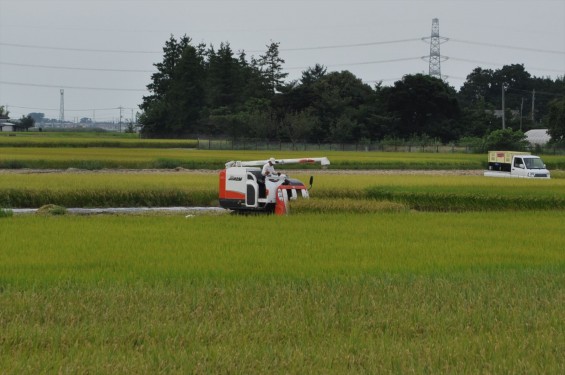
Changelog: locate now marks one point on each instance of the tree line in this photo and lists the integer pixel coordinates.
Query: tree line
(201, 90)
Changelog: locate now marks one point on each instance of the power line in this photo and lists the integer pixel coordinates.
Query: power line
(77, 49)
(347, 45)
(499, 64)
(69, 87)
(361, 63)
(507, 46)
(78, 68)
(71, 110)
(290, 68)
(537, 92)
(350, 45)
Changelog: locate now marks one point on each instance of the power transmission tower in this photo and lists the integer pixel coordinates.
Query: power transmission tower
(435, 57)
(62, 107)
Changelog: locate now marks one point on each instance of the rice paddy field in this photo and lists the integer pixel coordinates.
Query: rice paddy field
(397, 292)
(340, 191)
(377, 273)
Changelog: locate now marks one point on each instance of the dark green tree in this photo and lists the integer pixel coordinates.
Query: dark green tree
(26, 122)
(478, 88)
(177, 91)
(313, 74)
(224, 85)
(505, 139)
(423, 105)
(4, 112)
(556, 120)
(254, 84)
(271, 67)
(340, 101)
(477, 119)
(547, 90)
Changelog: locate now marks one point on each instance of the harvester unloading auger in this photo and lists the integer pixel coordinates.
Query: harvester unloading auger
(243, 188)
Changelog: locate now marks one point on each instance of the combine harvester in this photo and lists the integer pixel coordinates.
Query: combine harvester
(244, 189)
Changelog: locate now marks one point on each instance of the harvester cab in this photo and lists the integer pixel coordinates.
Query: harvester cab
(243, 188)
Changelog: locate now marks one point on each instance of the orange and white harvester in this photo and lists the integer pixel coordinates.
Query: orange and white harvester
(244, 189)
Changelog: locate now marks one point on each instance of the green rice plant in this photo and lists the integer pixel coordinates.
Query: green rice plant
(6, 212)
(404, 243)
(397, 292)
(26, 198)
(112, 158)
(164, 163)
(344, 205)
(446, 193)
(438, 201)
(98, 189)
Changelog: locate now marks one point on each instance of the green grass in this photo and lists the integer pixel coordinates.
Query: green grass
(386, 293)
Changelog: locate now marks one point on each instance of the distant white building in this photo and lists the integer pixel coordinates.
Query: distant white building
(7, 127)
(537, 137)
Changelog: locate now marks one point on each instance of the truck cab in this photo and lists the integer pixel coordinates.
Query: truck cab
(528, 166)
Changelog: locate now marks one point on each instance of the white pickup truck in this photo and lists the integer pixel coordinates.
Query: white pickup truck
(515, 164)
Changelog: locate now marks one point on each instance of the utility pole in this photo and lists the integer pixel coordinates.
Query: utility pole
(521, 111)
(503, 115)
(62, 106)
(533, 101)
(120, 123)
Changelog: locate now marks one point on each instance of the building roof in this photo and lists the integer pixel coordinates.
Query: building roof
(538, 136)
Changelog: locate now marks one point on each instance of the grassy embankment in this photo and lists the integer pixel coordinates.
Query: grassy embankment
(89, 139)
(385, 293)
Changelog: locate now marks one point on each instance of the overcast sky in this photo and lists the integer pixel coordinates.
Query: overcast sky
(102, 52)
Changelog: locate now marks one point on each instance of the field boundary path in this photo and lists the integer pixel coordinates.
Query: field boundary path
(438, 172)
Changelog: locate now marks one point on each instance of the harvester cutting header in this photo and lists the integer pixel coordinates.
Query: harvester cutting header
(254, 186)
